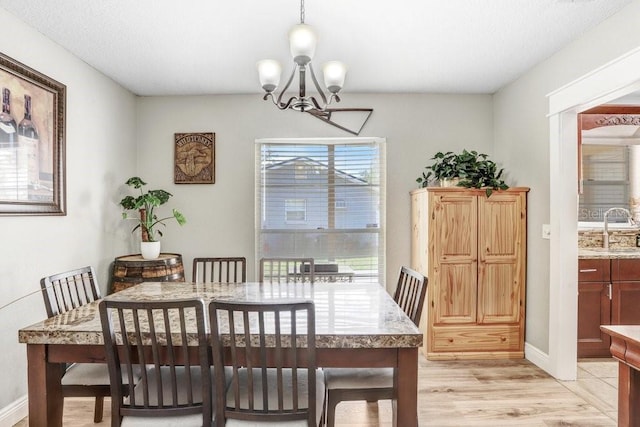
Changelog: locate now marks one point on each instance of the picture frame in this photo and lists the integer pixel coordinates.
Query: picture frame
(32, 141)
(194, 158)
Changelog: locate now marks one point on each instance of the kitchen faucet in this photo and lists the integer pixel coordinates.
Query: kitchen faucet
(605, 240)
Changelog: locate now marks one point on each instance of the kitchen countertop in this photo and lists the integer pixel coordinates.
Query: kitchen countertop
(611, 253)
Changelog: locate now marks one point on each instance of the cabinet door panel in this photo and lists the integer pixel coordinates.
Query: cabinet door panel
(452, 228)
(501, 237)
(500, 226)
(499, 296)
(594, 309)
(453, 258)
(454, 300)
(625, 303)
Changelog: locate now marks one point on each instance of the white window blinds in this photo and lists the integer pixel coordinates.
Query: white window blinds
(323, 199)
(605, 171)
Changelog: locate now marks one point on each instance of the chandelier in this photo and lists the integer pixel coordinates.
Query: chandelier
(302, 43)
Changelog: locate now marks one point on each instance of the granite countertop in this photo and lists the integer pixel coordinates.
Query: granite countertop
(347, 315)
(611, 253)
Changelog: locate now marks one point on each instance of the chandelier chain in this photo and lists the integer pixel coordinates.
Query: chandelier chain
(302, 11)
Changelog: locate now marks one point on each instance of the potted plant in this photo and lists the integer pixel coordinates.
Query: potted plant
(145, 204)
(444, 169)
(470, 168)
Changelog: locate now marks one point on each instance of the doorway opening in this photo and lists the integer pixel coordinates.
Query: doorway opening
(614, 80)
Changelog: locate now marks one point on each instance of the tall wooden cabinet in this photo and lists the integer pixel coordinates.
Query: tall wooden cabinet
(473, 250)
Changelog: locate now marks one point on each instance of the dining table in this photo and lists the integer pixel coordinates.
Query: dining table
(357, 325)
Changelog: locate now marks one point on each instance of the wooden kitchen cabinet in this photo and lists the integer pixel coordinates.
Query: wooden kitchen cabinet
(608, 294)
(625, 298)
(594, 307)
(475, 260)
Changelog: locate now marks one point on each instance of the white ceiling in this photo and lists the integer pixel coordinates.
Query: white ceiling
(169, 47)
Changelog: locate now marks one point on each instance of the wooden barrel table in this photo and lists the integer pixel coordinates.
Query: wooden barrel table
(129, 270)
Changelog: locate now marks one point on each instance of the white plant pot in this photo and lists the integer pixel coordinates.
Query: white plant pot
(449, 182)
(150, 250)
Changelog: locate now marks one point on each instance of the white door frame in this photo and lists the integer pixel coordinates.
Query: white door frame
(613, 80)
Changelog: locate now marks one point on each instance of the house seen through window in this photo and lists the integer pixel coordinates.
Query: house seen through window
(323, 199)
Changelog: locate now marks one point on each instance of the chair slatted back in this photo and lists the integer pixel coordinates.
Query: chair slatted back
(155, 334)
(65, 291)
(410, 293)
(273, 375)
(220, 270)
(279, 270)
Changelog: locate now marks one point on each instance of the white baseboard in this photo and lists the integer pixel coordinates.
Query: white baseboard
(537, 357)
(14, 412)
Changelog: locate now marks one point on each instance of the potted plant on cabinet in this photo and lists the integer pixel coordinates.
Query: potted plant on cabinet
(145, 205)
(468, 169)
(445, 169)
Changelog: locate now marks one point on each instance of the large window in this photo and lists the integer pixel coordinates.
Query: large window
(324, 199)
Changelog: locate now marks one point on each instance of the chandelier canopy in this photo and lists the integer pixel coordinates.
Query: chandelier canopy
(302, 43)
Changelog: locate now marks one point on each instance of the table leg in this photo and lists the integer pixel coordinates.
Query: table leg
(405, 407)
(45, 391)
(634, 397)
(628, 396)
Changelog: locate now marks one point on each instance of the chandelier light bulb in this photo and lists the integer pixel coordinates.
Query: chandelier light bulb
(302, 43)
(269, 71)
(334, 73)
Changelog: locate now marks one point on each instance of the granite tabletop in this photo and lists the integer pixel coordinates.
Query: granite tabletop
(347, 315)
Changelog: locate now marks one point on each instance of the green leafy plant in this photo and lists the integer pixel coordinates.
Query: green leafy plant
(145, 205)
(473, 169)
(445, 166)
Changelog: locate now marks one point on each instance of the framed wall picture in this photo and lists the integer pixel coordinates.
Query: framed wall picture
(194, 159)
(32, 141)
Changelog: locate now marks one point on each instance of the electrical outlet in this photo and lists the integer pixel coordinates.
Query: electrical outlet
(546, 231)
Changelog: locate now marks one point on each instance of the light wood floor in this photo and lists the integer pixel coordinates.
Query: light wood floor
(472, 393)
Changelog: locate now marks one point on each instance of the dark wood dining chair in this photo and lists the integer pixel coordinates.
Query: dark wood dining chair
(63, 292)
(279, 270)
(373, 384)
(173, 390)
(410, 293)
(274, 378)
(220, 270)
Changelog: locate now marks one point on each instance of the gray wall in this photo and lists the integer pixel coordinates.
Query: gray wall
(522, 142)
(100, 129)
(221, 216)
